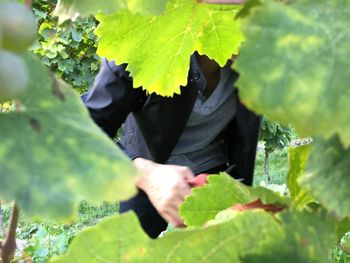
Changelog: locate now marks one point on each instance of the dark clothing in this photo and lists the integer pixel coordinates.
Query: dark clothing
(153, 125)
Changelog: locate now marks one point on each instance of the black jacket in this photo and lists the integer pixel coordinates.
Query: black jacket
(153, 124)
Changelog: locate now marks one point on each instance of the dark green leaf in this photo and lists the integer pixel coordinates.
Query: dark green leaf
(327, 175)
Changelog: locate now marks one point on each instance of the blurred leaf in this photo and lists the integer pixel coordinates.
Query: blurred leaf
(327, 175)
(114, 239)
(52, 154)
(298, 157)
(294, 68)
(69, 8)
(180, 246)
(306, 237)
(247, 237)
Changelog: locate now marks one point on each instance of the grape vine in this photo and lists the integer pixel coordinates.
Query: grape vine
(293, 66)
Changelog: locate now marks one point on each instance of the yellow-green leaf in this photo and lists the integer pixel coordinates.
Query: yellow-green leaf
(158, 48)
(222, 192)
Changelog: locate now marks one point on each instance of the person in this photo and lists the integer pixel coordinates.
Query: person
(205, 129)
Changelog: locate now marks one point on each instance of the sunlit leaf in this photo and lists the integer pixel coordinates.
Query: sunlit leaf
(222, 192)
(158, 48)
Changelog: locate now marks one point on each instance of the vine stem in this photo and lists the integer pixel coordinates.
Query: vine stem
(345, 249)
(28, 3)
(2, 228)
(8, 246)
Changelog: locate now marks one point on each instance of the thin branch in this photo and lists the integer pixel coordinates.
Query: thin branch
(344, 248)
(9, 244)
(2, 226)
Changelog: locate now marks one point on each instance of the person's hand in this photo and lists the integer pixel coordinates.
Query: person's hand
(166, 187)
(222, 1)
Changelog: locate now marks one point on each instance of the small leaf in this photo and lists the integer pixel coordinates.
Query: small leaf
(297, 159)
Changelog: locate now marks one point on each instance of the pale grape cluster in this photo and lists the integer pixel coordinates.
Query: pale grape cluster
(18, 31)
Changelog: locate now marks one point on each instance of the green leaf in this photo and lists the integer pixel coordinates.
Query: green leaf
(66, 9)
(205, 202)
(306, 237)
(221, 192)
(157, 49)
(297, 158)
(294, 65)
(115, 239)
(327, 175)
(248, 237)
(120, 239)
(52, 154)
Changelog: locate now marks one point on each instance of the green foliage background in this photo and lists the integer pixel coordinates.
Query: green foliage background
(68, 48)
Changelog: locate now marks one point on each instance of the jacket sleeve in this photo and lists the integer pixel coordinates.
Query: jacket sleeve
(112, 97)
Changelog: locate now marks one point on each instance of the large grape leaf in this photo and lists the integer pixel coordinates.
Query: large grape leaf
(52, 154)
(327, 175)
(291, 237)
(306, 237)
(294, 65)
(221, 192)
(297, 160)
(66, 9)
(120, 239)
(157, 49)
